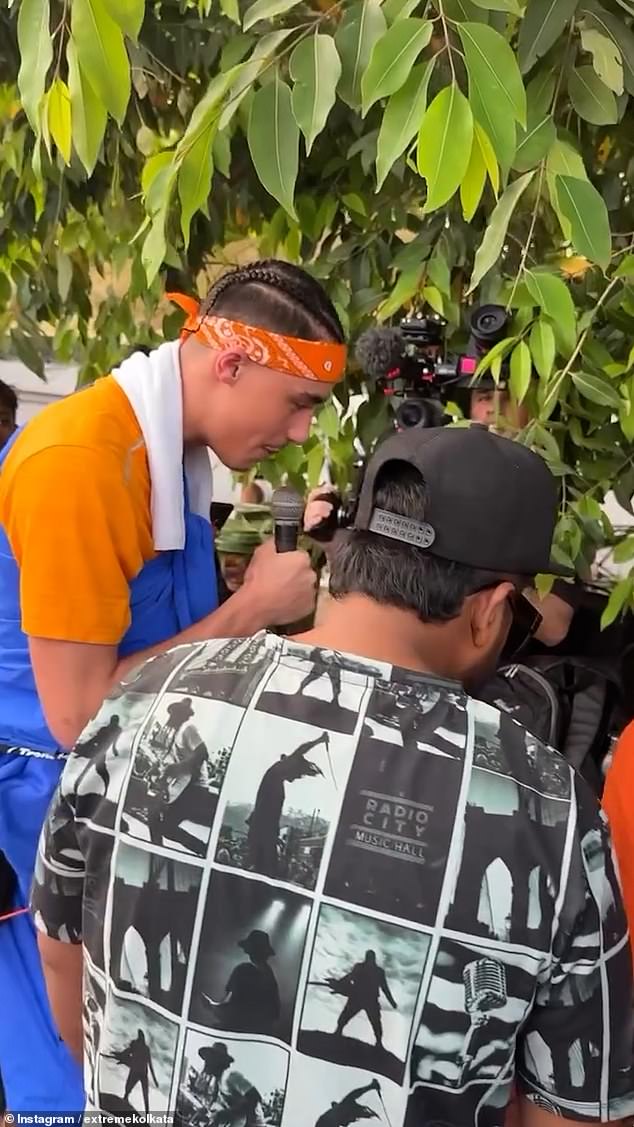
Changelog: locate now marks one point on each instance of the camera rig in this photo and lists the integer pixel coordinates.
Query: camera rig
(409, 363)
(410, 366)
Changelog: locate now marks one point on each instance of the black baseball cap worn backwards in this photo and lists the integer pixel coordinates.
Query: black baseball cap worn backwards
(491, 503)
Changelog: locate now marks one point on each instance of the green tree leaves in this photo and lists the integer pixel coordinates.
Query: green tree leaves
(496, 91)
(102, 54)
(543, 23)
(552, 295)
(536, 140)
(521, 366)
(489, 250)
(194, 156)
(511, 6)
(263, 53)
(273, 138)
(36, 55)
(619, 33)
(194, 179)
(315, 68)
(88, 114)
(481, 163)
(362, 26)
(444, 145)
(392, 59)
(591, 98)
(606, 58)
(542, 346)
(620, 596)
(265, 10)
(401, 120)
(59, 118)
(597, 390)
(587, 214)
(128, 14)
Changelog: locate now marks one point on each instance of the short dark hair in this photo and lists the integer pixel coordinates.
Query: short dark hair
(401, 575)
(8, 398)
(276, 295)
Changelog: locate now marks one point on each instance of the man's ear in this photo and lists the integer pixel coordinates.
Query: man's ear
(228, 366)
(487, 610)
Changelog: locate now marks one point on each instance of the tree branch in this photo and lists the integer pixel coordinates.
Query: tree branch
(443, 19)
(529, 238)
(612, 284)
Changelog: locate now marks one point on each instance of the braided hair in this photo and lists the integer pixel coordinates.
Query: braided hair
(275, 295)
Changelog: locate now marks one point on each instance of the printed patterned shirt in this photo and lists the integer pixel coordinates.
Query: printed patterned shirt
(352, 892)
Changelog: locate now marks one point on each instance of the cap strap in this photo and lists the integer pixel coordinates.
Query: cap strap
(309, 359)
(396, 527)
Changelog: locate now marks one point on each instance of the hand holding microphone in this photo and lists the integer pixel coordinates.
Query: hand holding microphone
(287, 509)
(280, 577)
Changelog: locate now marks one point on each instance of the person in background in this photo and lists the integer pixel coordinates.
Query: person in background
(252, 494)
(8, 412)
(493, 406)
(618, 805)
(459, 853)
(219, 514)
(249, 526)
(106, 558)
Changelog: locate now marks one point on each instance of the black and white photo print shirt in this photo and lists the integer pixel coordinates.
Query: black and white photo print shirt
(314, 890)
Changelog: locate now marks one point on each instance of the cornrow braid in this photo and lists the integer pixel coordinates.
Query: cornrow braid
(278, 296)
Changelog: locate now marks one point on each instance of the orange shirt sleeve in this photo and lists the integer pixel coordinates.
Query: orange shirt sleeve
(618, 803)
(71, 523)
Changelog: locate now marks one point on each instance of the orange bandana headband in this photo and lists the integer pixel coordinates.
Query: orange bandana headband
(309, 359)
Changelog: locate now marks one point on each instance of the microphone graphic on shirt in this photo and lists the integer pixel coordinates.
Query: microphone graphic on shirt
(485, 990)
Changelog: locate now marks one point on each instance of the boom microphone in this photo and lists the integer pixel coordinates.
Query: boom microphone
(287, 508)
(379, 351)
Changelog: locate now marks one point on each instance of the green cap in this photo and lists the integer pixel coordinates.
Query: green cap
(247, 528)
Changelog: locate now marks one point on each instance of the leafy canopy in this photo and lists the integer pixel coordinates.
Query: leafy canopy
(447, 152)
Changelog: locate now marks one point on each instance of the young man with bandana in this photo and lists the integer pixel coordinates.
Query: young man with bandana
(106, 558)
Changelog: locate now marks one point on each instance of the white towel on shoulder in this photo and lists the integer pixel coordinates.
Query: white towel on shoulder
(154, 389)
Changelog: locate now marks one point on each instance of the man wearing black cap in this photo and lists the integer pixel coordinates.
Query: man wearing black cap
(492, 405)
(466, 854)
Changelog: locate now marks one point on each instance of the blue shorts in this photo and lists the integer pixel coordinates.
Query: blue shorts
(38, 1071)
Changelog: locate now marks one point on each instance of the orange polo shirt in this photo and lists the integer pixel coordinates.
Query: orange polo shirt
(75, 506)
(618, 803)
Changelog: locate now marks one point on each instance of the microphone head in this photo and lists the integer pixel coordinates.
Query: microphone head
(379, 351)
(287, 506)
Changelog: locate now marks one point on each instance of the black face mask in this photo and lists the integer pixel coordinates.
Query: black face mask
(526, 622)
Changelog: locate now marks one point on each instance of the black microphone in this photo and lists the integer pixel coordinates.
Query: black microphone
(379, 351)
(287, 508)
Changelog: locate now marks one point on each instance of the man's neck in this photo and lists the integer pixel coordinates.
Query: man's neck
(358, 625)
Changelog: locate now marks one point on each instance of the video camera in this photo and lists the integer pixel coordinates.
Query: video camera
(409, 365)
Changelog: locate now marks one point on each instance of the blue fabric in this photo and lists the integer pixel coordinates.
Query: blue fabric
(21, 717)
(172, 591)
(38, 1071)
